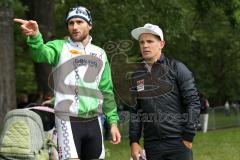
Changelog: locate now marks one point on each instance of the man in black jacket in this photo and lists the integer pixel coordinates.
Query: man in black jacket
(167, 103)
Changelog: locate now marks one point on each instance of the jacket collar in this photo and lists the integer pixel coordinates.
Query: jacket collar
(161, 59)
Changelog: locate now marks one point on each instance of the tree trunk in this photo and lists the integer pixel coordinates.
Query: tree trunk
(42, 11)
(7, 63)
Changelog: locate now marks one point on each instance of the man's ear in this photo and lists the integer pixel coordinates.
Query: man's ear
(90, 27)
(162, 43)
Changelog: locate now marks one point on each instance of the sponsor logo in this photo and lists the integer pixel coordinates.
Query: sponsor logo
(73, 51)
(140, 85)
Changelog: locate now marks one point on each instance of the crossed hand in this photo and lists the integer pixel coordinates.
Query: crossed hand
(29, 28)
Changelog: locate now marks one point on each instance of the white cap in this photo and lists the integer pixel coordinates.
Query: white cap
(147, 28)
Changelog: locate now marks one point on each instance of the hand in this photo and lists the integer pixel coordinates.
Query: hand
(116, 136)
(29, 28)
(47, 102)
(136, 151)
(187, 144)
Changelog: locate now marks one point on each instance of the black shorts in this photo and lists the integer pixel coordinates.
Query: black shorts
(80, 138)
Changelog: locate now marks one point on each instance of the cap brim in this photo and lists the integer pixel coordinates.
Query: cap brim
(138, 31)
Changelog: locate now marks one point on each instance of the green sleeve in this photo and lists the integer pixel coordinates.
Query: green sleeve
(109, 104)
(53, 101)
(47, 53)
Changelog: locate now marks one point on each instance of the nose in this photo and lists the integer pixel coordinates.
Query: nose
(145, 45)
(74, 25)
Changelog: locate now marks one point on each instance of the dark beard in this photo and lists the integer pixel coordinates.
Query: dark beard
(81, 39)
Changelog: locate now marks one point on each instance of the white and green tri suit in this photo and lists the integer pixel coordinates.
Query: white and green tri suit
(58, 53)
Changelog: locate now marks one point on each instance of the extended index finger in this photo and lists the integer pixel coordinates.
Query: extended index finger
(20, 20)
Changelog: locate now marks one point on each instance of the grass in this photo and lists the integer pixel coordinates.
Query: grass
(215, 145)
(218, 119)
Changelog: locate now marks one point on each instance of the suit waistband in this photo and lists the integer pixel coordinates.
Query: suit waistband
(80, 119)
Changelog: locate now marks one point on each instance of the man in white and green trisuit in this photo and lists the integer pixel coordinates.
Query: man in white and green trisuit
(82, 86)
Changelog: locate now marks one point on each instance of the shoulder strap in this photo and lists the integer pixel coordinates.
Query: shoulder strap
(41, 108)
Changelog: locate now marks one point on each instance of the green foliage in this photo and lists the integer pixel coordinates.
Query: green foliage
(25, 77)
(113, 20)
(13, 4)
(216, 56)
(25, 73)
(6, 3)
(201, 33)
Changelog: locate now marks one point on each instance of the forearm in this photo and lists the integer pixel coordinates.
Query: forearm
(40, 52)
(106, 88)
(192, 103)
(110, 111)
(135, 127)
(190, 100)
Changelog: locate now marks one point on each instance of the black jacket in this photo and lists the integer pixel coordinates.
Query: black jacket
(167, 102)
